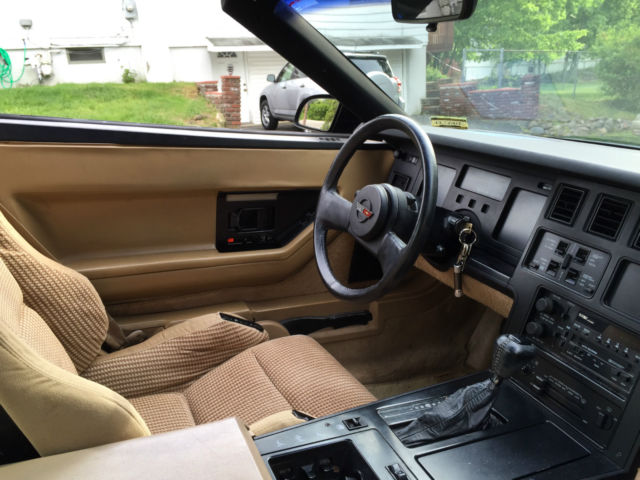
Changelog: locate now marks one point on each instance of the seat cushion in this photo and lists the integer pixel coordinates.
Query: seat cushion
(289, 373)
(173, 358)
(164, 412)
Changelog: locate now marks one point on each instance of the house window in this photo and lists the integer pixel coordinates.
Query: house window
(85, 55)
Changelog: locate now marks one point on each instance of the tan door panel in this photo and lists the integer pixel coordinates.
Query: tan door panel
(140, 221)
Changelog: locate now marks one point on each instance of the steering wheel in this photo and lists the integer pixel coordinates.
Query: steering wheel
(388, 222)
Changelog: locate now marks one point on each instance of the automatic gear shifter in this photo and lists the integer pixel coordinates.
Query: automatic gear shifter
(468, 408)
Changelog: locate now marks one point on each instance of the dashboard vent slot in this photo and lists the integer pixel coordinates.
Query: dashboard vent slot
(566, 205)
(608, 217)
(636, 241)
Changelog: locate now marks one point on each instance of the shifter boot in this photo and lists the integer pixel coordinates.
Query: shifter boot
(464, 410)
(468, 408)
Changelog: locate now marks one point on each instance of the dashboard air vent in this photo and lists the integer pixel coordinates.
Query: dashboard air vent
(566, 204)
(636, 240)
(608, 217)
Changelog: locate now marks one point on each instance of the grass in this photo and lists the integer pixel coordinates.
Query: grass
(176, 103)
(589, 101)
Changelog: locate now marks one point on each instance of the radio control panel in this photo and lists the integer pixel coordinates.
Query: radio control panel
(608, 354)
(587, 366)
(589, 409)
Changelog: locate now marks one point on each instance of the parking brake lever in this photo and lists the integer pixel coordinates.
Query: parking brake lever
(468, 408)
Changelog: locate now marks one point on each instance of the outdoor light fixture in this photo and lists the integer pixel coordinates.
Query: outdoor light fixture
(130, 10)
(26, 23)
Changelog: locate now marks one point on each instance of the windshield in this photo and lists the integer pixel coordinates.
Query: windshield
(556, 68)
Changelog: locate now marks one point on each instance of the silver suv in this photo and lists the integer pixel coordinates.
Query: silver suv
(280, 99)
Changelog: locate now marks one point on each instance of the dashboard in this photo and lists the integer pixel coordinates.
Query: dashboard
(566, 247)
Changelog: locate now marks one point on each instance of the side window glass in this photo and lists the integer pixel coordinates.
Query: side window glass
(297, 74)
(286, 73)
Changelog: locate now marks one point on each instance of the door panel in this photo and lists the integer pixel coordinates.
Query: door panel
(140, 222)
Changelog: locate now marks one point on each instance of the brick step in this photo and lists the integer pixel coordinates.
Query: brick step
(431, 101)
(431, 110)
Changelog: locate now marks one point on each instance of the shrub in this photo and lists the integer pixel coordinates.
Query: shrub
(128, 76)
(618, 51)
(434, 74)
(318, 109)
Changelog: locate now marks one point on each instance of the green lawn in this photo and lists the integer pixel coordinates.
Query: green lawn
(175, 103)
(589, 100)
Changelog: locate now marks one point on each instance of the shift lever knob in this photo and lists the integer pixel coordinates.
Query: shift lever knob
(509, 356)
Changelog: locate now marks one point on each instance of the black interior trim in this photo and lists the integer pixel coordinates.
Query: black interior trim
(14, 446)
(308, 325)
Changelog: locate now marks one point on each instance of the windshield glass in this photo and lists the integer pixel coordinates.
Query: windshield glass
(557, 68)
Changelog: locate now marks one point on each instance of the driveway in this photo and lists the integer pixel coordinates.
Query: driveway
(282, 126)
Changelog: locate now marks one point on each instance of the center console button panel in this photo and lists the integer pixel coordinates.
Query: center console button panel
(571, 264)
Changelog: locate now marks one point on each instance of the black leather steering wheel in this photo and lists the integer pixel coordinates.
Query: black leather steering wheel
(390, 223)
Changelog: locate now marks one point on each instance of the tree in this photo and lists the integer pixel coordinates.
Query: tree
(618, 51)
(527, 25)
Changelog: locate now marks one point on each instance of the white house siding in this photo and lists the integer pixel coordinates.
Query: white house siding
(191, 64)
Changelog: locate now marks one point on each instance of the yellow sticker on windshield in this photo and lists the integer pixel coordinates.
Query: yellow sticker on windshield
(451, 122)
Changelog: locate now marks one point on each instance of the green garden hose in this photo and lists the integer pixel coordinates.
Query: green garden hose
(6, 73)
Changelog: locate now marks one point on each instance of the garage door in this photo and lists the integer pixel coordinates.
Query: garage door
(259, 65)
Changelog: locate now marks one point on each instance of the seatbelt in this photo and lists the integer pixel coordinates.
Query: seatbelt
(116, 339)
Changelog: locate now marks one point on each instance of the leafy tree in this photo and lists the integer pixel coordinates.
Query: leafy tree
(526, 25)
(618, 51)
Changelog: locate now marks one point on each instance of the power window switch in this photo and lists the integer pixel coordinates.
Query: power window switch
(397, 472)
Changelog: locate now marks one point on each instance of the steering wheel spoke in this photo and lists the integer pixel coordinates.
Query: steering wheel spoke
(390, 251)
(333, 210)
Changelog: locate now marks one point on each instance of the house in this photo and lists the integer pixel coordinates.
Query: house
(83, 41)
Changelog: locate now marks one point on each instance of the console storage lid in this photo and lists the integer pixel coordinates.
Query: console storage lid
(221, 449)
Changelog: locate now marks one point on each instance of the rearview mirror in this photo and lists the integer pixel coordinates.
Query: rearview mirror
(431, 11)
(317, 113)
(271, 78)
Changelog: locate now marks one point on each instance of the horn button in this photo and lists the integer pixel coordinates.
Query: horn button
(369, 211)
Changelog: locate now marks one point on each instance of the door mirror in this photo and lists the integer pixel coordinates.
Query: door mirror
(431, 11)
(317, 113)
(271, 78)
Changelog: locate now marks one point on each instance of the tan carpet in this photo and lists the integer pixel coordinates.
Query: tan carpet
(397, 387)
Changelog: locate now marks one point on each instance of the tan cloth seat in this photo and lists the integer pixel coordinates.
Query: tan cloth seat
(65, 393)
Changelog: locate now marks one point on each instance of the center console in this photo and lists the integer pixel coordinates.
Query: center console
(523, 440)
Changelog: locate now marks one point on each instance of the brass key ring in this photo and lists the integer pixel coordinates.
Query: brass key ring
(467, 231)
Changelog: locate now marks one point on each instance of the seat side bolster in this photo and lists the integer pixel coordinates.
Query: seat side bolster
(173, 358)
(57, 410)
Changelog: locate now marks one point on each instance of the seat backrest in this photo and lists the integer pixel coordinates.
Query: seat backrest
(65, 299)
(57, 410)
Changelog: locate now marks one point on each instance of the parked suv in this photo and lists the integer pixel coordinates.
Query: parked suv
(280, 99)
